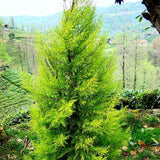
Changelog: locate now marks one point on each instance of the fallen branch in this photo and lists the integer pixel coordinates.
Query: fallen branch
(25, 145)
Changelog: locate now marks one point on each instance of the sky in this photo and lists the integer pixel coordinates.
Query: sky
(40, 7)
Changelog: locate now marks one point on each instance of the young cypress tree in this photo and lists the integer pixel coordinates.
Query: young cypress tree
(74, 91)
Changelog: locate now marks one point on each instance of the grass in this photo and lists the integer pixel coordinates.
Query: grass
(145, 140)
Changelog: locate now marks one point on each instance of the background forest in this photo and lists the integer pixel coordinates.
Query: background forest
(126, 37)
(132, 47)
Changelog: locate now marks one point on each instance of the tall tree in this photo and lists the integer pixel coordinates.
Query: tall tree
(74, 91)
(123, 60)
(12, 22)
(4, 57)
(1, 28)
(1, 23)
(123, 51)
(147, 78)
(155, 53)
(135, 64)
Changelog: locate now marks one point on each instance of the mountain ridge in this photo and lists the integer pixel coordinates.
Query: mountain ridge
(116, 18)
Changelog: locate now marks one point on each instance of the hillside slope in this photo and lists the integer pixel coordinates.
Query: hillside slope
(12, 96)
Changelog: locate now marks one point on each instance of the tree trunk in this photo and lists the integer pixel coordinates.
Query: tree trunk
(123, 62)
(27, 55)
(144, 79)
(153, 14)
(20, 56)
(135, 68)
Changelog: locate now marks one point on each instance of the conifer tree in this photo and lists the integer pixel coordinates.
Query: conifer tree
(74, 91)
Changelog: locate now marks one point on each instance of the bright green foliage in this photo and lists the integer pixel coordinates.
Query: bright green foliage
(12, 96)
(74, 91)
(4, 57)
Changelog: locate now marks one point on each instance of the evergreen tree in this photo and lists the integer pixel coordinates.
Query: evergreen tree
(1, 28)
(74, 91)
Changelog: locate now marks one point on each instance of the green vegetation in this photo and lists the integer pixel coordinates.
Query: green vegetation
(11, 36)
(74, 91)
(4, 57)
(12, 96)
(144, 142)
(14, 116)
(18, 50)
(85, 95)
(139, 99)
(18, 137)
(135, 64)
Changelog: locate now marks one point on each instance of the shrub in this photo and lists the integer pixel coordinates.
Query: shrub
(11, 35)
(139, 99)
(16, 118)
(151, 120)
(134, 123)
(148, 100)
